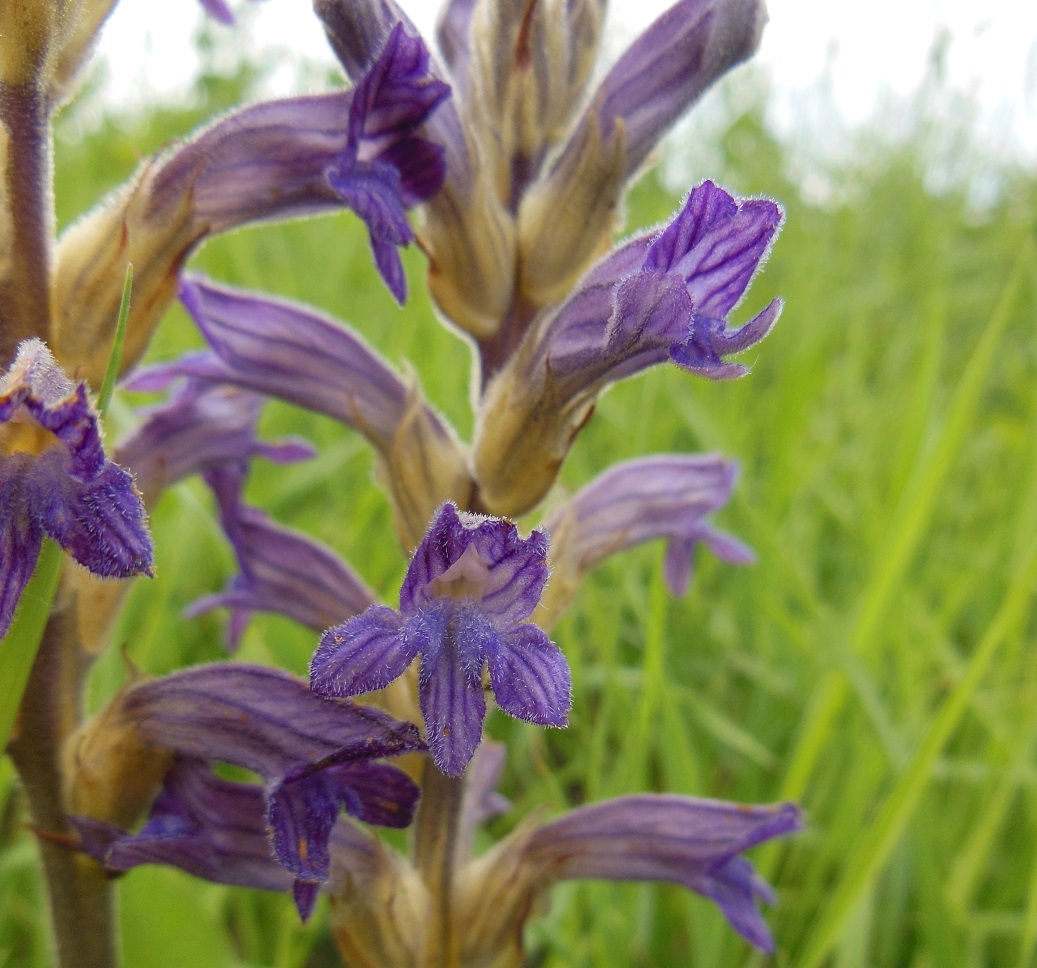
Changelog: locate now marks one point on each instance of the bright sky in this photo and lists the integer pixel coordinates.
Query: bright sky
(870, 54)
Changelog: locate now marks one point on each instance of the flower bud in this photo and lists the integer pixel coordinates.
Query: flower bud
(32, 33)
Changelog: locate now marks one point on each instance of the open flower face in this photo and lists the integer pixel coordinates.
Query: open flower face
(470, 586)
(56, 480)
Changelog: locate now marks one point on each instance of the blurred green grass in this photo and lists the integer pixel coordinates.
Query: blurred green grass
(877, 662)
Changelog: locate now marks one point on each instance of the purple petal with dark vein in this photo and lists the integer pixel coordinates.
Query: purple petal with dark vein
(530, 677)
(200, 823)
(668, 68)
(358, 31)
(453, 644)
(669, 838)
(20, 538)
(201, 427)
(289, 352)
(396, 95)
(515, 568)
(36, 382)
(716, 244)
(264, 161)
(373, 190)
(285, 572)
(665, 496)
(702, 352)
(362, 655)
(257, 717)
(100, 522)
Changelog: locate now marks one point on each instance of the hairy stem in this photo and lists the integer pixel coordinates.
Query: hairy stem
(25, 239)
(435, 857)
(80, 895)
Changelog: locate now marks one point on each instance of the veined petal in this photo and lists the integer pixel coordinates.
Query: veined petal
(530, 677)
(55, 479)
(681, 551)
(513, 570)
(453, 644)
(668, 68)
(362, 655)
(284, 350)
(257, 717)
(702, 351)
(669, 838)
(305, 805)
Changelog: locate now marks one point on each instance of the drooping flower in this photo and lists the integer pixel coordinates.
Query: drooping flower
(315, 756)
(471, 584)
(56, 480)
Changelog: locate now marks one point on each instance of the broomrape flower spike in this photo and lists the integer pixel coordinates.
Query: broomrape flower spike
(469, 587)
(56, 480)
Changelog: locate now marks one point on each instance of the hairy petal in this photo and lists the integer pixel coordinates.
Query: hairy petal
(362, 655)
(530, 677)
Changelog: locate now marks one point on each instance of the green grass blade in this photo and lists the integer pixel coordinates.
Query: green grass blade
(874, 848)
(19, 647)
(111, 373)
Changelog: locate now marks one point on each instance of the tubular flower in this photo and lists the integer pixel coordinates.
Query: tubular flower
(314, 754)
(662, 296)
(471, 584)
(56, 480)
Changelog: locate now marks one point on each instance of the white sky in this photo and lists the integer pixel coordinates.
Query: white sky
(869, 54)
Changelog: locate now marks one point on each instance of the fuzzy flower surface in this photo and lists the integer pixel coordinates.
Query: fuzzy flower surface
(56, 480)
(470, 586)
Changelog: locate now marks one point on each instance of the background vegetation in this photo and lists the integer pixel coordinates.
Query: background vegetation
(877, 663)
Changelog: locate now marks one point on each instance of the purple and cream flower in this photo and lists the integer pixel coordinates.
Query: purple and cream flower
(315, 755)
(470, 586)
(664, 295)
(55, 480)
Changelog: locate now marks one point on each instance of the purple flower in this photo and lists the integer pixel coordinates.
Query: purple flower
(666, 496)
(470, 585)
(663, 295)
(284, 350)
(55, 480)
(684, 840)
(314, 754)
(275, 159)
(386, 167)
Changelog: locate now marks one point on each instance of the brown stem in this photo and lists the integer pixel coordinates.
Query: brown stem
(25, 286)
(80, 894)
(435, 857)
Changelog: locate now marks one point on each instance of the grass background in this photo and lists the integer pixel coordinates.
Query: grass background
(876, 664)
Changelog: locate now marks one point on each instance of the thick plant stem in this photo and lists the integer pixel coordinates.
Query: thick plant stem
(26, 195)
(435, 857)
(80, 895)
